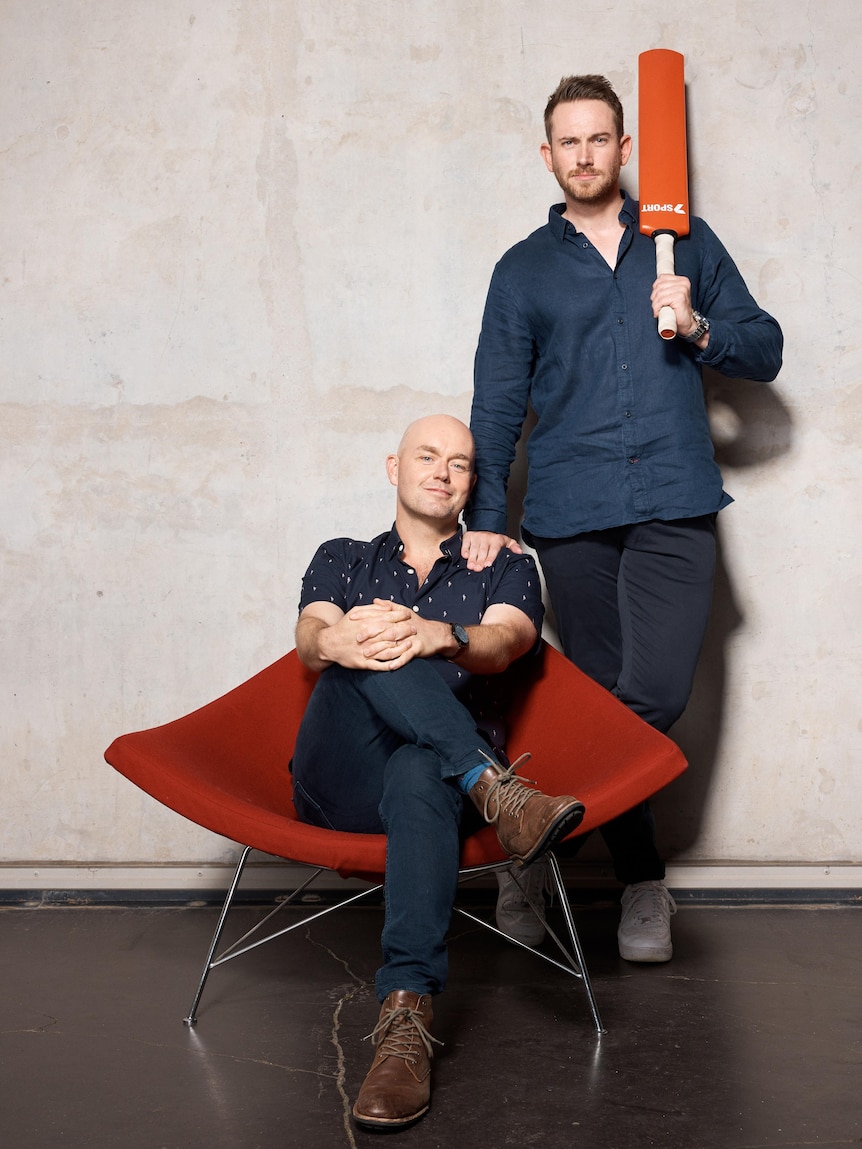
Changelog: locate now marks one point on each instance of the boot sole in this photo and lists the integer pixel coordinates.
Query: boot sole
(569, 820)
(382, 1123)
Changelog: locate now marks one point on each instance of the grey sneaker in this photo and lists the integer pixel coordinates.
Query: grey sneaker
(644, 933)
(515, 917)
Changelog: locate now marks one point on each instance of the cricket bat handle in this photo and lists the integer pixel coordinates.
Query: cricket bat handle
(664, 266)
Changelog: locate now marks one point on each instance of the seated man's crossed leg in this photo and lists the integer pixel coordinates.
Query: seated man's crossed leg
(396, 754)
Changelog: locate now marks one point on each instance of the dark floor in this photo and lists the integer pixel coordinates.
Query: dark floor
(750, 1037)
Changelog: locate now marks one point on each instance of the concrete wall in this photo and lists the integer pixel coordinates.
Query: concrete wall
(243, 243)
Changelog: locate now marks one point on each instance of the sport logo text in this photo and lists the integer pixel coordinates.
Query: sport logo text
(677, 209)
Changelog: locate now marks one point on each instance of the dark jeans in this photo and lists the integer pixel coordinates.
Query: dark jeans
(379, 752)
(632, 604)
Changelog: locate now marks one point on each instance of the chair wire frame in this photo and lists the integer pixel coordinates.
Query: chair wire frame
(573, 964)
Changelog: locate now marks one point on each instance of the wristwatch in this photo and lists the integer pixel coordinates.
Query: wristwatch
(461, 637)
(701, 329)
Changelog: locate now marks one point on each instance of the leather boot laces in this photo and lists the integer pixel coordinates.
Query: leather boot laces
(510, 792)
(397, 1031)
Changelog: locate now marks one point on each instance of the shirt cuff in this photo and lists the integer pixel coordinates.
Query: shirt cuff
(488, 521)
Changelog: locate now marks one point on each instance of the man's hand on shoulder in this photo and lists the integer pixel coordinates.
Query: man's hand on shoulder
(480, 548)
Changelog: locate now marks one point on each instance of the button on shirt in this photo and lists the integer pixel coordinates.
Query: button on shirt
(622, 434)
(352, 573)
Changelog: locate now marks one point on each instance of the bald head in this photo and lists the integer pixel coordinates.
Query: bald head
(429, 427)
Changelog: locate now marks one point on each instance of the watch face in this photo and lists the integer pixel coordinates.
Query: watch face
(460, 634)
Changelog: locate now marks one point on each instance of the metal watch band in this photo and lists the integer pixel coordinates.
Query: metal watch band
(699, 331)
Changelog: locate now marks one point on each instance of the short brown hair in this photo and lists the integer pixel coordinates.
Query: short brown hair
(572, 88)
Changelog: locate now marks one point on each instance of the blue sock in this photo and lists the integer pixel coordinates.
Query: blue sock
(467, 781)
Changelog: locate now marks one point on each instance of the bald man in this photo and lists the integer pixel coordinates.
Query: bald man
(402, 726)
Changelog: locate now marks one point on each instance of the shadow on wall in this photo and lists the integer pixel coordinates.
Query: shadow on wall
(751, 428)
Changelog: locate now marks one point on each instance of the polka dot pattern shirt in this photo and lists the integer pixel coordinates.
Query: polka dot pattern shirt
(350, 572)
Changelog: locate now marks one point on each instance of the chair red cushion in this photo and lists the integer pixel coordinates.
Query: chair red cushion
(225, 766)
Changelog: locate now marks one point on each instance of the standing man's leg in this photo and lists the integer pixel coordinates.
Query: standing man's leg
(584, 575)
(666, 579)
(632, 604)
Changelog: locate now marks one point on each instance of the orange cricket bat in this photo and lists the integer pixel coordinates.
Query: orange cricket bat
(663, 162)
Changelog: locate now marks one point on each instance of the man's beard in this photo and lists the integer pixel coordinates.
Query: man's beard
(594, 191)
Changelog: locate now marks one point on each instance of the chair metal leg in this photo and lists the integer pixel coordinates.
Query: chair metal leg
(575, 940)
(237, 949)
(192, 1014)
(575, 965)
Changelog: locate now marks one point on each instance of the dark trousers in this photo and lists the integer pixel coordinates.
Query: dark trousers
(632, 604)
(381, 753)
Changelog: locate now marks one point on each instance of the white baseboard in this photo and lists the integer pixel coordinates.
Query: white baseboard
(274, 875)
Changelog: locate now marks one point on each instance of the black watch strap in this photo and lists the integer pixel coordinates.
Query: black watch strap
(461, 637)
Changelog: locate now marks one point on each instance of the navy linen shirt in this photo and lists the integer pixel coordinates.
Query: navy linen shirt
(351, 573)
(622, 433)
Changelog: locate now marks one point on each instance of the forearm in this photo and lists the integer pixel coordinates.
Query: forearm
(310, 641)
(487, 509)
(497, 419)
(744, 340)
(748, 350)
(385, 635)
(493, 648)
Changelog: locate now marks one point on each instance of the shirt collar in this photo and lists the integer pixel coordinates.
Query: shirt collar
(450, 548)
(560, 227)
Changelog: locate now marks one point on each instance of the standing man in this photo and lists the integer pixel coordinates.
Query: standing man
(623, 489)
(403, 724)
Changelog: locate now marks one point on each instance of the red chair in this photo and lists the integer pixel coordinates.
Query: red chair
(224, 766)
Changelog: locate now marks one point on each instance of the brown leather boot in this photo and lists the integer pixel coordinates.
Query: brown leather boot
(397, 1087)
(527, 821)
